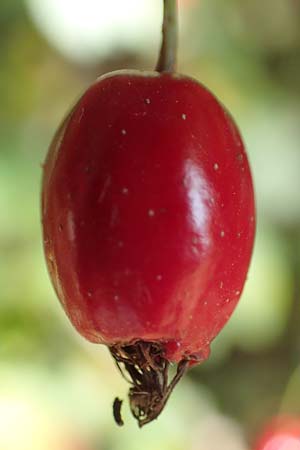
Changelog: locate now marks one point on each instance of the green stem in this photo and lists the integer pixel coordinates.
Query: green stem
(168, 52)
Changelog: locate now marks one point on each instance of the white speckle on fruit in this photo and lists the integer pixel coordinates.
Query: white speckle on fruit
(227, 300)
(191, 316)
(124, 132)
(89, 294)
(238, 235)
(205, 303)
(148, 101)
(237, 292)
(216, 166)
(159, 277)
(221, 284)
(222, 234)
(125, 191)
(183, 116)
(151, 213)
(116, 298)
(252, 219)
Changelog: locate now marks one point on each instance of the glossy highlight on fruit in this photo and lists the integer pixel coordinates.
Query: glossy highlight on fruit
(148, 218)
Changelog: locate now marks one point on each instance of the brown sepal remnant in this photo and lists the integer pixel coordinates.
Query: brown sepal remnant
(148, 370)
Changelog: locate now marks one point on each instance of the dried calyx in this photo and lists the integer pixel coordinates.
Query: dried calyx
(148, 370)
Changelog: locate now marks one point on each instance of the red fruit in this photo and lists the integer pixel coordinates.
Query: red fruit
(148, 216)
(282, 433)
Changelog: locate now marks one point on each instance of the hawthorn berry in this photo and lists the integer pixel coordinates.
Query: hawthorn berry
(281, 433)
(148, 219)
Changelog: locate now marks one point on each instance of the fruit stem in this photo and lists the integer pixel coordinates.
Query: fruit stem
(168, 53)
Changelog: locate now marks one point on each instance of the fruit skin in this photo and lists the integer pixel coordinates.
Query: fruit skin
(282, 432)
(148, 213)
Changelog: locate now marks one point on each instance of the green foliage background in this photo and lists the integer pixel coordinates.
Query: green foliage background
(55, 389)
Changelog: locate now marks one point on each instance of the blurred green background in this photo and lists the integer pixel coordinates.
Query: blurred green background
(56, 390)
